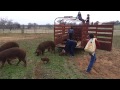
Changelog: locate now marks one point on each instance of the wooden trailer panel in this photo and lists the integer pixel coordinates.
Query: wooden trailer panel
(104, 34)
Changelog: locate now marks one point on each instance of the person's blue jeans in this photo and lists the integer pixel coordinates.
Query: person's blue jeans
(70, 46)
(70, 36)
(92, 61)
(72, 51)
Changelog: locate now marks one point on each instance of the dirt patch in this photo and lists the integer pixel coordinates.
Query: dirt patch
(106, 66)
(40, 72)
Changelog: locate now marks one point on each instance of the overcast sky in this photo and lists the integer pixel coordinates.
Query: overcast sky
(45, 17)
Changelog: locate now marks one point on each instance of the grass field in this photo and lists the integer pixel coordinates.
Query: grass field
(117, 27)
(59, 67)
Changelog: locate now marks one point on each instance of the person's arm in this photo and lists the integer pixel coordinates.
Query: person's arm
(97, 43)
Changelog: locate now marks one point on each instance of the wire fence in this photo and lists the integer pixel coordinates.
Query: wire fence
(42, 30)
(38, 30)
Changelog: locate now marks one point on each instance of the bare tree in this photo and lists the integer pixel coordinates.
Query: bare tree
(9, 24)
(35, 25)
(16, 25)
(30, 25)
(3, 23)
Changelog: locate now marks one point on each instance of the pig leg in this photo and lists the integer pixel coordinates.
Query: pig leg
(18, 62)
(25, 64)
(3, 62)
(9, 62)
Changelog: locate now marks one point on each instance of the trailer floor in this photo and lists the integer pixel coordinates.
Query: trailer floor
(63, 45)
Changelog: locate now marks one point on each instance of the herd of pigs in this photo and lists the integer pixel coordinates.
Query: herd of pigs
(11, 50)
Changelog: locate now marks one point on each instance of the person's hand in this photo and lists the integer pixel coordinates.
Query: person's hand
(90, 54)
(63, 51)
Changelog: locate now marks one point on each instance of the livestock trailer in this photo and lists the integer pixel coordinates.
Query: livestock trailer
(103, 33)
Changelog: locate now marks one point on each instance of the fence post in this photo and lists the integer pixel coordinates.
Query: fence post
(22, 30)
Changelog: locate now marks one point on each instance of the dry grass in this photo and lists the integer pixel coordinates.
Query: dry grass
(28, 31)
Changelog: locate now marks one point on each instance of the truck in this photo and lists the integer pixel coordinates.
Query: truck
(103, 32)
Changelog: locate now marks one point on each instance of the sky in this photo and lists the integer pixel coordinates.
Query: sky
(48, 17)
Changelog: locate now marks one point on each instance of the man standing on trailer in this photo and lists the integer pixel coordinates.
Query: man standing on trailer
(88, 19)
(79, 16)
(71, 33)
